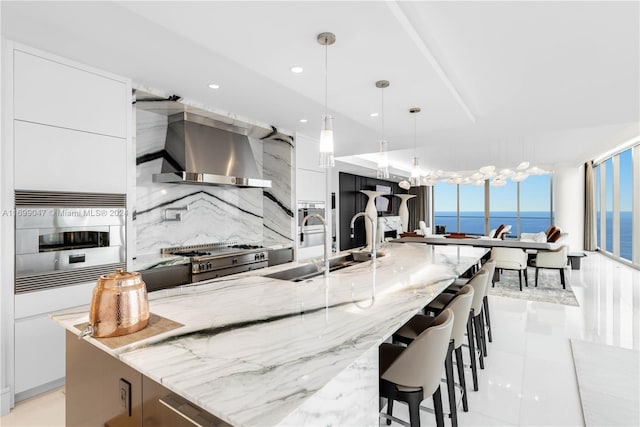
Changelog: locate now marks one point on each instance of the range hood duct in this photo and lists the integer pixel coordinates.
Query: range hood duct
(203, 151)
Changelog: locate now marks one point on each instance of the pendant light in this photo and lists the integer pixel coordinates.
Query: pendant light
(326, 134)
(415, 170)
(383, 156)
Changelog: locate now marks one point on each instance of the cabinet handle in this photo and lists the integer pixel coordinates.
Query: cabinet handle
(180, 407)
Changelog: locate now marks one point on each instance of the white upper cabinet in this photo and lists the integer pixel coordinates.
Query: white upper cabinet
(50, 158)
(310, 178)
(57, 94)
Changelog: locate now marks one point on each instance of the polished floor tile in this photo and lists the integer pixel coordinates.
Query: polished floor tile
(530, 377)
(45, 410)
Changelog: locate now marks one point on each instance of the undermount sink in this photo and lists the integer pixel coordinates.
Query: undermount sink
(308, 271)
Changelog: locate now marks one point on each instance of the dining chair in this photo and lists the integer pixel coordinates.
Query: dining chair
(556, 260)
(511, 259)
(408, 374)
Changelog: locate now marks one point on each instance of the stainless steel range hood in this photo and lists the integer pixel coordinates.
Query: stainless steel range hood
(203, 151)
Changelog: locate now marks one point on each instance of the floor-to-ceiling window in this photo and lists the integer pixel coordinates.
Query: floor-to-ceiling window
(617, 234)
(608, 205)
(526, 206)
(445, 206)
(471, 209)
(596, 171)
(503, 205)
(536, 210)
(626, 198)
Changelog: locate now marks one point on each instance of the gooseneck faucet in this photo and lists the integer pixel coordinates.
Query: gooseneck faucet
(324, 239)
(373, 232)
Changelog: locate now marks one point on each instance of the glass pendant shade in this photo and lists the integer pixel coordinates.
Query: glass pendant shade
(326, 143)
(383, 160)
(415, 173)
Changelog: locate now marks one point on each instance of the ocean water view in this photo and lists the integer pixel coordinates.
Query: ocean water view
(626, 233)
(472, 222)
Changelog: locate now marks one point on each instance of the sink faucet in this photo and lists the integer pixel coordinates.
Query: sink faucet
(324, 239)
(373, 232)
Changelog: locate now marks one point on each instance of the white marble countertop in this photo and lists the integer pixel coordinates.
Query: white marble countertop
(147, 261)
(253, 349)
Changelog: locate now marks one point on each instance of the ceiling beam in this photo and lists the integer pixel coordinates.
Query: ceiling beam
(426, 52)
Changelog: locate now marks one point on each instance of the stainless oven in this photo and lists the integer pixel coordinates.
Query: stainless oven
(66, 244)
(311, 234)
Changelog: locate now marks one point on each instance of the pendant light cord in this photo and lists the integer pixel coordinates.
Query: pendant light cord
(326, 77)
(382, 111)
(415, 132)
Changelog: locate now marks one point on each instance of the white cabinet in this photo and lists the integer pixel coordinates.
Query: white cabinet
(310, 185)
(39, 353)
(58, 159)
(39, 342)
(57, 94)
(310, 179)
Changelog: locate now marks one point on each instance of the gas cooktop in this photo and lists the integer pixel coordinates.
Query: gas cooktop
(219, 259)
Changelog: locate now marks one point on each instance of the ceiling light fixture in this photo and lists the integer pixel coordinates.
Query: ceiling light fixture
(326, 134)
(214, 86)
(373, 115)
(415, 168)
(383, 157)
(303, 120)
(296, 69)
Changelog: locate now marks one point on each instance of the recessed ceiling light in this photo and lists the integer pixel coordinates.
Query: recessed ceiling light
(214, 86)
(303, 120)
(373, 115)
(296, 69)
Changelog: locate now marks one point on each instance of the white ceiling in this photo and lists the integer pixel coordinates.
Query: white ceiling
(498, 82)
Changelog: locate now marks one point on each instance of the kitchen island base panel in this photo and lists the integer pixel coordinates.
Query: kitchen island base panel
(93, 388)
(103, 391)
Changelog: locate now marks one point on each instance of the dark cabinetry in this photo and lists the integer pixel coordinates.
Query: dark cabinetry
(352, 202)
(102, 391)
(93, 394)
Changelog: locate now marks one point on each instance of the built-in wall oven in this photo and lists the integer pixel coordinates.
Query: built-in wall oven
(312, 233)
(67, 238)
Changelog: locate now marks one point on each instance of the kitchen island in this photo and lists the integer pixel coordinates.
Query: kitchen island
(265, 351)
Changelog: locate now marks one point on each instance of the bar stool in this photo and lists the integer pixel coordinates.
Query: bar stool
(461, 307)
(408, 374)
(490, 268)
(478, 282)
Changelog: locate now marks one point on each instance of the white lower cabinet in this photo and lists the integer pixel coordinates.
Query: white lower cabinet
(39, 341)
(39, 354)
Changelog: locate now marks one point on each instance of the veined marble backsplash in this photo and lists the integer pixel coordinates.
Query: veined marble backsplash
(215, 213)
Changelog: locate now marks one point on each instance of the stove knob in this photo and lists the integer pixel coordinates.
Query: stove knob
(201, 266)
(256, 257)
(234, 261)
(208, 265)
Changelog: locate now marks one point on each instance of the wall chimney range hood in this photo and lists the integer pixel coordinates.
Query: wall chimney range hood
(203, 151)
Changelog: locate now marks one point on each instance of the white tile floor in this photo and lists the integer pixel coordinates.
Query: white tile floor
(529, 377)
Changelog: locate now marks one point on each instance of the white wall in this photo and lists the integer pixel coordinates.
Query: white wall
(568, 201)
